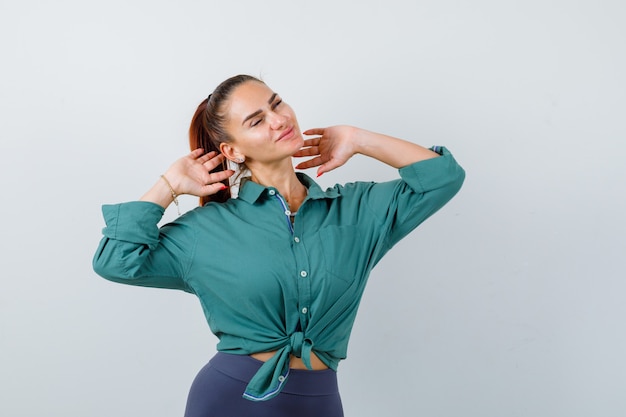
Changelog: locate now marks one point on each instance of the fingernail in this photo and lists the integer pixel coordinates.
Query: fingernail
(319, 174)
(223, 187)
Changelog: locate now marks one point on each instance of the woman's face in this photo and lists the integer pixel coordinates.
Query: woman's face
(264, 128)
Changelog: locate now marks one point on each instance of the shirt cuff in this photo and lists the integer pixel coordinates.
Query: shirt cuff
(433, 173)
(135, 221)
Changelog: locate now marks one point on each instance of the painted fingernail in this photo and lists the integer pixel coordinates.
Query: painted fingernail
(319, 174)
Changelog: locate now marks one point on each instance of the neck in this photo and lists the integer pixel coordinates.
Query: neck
(284, 179)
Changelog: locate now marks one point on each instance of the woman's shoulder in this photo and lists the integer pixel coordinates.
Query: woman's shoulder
(213, 208)
(332, 191)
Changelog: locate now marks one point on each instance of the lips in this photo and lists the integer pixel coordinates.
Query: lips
(286, 134)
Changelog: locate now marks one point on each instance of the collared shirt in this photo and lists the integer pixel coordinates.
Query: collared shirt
(264, 282)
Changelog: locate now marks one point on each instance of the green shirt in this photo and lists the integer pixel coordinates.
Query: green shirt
(264, 283)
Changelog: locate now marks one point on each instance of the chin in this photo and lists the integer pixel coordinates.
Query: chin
(298, 143)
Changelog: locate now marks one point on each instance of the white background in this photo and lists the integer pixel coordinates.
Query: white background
(508, 302)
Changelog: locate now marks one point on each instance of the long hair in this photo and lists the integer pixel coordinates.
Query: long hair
(207, 129)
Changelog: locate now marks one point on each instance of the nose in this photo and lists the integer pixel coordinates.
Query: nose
(278, 121)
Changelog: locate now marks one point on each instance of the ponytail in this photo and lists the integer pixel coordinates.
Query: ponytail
(199, 138)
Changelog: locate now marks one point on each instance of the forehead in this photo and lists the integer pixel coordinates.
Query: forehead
(248, 98)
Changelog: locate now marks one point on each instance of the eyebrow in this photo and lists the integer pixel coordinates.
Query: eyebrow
(256, 113)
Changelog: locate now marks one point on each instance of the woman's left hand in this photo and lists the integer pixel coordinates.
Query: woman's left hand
(330, 150)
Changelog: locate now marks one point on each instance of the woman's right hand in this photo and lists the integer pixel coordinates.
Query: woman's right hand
(190, 175)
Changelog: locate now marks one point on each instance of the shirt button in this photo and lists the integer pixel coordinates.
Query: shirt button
(296, 239)
(272, 192)
(281, 378)
(303, 274)
(304, 310)
(287, 213)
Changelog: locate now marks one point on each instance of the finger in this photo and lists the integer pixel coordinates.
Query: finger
(314, 131)
(311, 142)
(213, 162)
(206, 157)
(329, 165)
(205, 179)
(312, 151)
(196, 153)
(310, 163)
(212, 188)
(220, 176)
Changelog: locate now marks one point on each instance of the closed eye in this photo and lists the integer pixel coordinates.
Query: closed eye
(256, 122)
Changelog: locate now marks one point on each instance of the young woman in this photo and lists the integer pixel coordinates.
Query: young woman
(280, 269)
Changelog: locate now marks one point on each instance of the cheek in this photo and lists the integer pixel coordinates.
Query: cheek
(256, 142)
(290, 113)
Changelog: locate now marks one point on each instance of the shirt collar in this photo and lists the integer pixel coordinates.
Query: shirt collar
(250, 191)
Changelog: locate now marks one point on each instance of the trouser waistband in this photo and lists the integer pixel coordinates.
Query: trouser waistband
(299, 382)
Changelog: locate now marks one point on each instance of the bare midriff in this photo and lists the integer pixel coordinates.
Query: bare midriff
(294, 362)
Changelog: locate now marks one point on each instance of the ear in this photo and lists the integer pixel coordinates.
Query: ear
(230, 152)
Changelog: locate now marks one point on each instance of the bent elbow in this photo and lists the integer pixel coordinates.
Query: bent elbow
(106, 264)
(458, 179)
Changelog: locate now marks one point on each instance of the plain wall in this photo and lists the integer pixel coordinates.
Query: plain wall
(508, 302)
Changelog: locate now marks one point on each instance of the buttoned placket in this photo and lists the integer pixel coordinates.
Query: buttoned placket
(303, 272)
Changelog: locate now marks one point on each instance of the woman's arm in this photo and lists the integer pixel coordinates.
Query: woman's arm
(189, 175)
(428, 179)
(134, 250)
(337, 144)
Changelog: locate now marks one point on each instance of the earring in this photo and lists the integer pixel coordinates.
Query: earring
(240, 160)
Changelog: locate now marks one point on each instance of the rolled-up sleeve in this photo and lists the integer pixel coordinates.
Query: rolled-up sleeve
(423, 188)
(135, 251)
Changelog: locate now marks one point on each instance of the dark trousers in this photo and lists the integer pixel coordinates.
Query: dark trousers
(217, 391)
